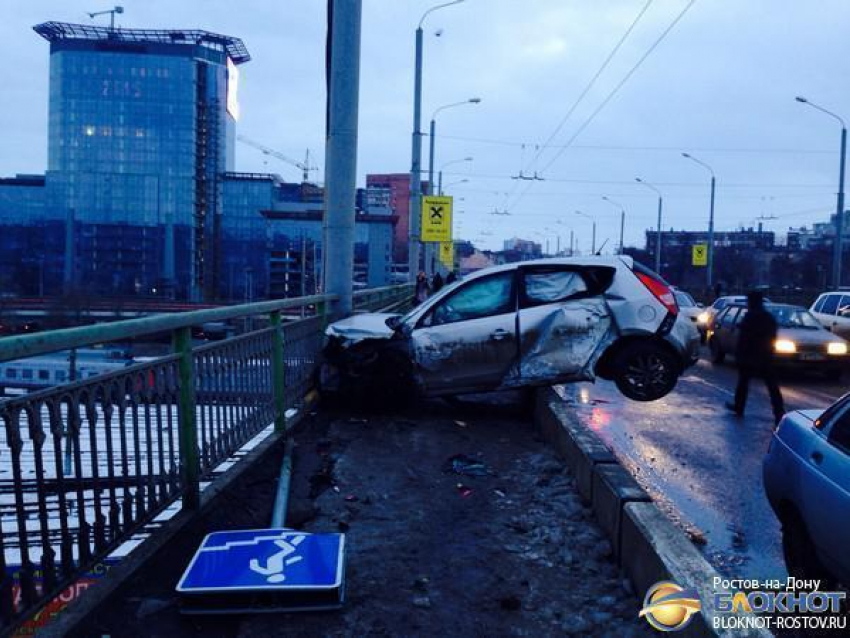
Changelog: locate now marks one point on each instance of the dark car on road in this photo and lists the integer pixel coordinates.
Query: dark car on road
(802, 342)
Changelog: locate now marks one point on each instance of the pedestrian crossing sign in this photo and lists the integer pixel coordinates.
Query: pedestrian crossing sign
(436, 218)
(699, 255)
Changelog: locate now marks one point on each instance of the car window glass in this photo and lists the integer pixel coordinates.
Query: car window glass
(720, 304)
(684, 300)
(844, 306)
(552, 286)
(839, 435)
(741, 314)
(729, 317)
(819, 304)
(831, 304)
(482, 298)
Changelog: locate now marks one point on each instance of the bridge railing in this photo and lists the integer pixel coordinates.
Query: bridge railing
(84, 466)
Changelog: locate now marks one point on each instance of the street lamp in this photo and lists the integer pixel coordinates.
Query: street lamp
(460, 181)
(622, 218)
(658, 232)
(839, 212)
(593, 237)
(433, 133)
(440, 173)
(710, 264)
(414, 211)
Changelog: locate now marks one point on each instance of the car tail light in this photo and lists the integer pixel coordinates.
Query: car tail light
(659, 289)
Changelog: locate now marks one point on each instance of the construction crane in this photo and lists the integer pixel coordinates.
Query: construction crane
(304, 166)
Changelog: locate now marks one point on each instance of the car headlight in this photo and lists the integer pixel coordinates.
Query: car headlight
(785, 346)
(702, 318)
(836, 347)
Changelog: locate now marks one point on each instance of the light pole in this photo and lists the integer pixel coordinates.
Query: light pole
(414, 211)
(433, 135)
(440, 172)
(593, 237)
(658, 232)
(622, 218)
(839, 209)
(710, 264)
(460, 181)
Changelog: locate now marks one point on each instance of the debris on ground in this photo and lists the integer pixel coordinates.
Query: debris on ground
(466, 465)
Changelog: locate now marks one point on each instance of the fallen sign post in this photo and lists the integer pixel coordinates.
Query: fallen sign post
(264, 570)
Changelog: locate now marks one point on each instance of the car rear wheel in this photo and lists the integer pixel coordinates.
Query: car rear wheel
(800, 556)
(717, 354)
(645, 371)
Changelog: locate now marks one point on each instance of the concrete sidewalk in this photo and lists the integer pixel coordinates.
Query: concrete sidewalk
(511, 551)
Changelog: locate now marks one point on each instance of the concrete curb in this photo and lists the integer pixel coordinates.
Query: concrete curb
(647, 546)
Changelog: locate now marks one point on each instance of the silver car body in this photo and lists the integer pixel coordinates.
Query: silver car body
(807, 474)
(530, 344)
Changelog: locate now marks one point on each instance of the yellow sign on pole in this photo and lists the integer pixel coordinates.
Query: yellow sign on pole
(699, 254)
(436, 218)
(447, 254)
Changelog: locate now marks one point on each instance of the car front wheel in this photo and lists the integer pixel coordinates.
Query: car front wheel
(717, 354)
(645, 371)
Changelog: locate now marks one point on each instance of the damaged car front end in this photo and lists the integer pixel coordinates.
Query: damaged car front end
(517, 326)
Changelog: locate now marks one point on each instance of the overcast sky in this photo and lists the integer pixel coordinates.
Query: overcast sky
(721, 85)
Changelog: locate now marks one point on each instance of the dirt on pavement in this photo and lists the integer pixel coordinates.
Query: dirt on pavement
(459, 521)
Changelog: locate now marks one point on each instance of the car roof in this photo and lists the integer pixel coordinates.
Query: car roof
(585, 260)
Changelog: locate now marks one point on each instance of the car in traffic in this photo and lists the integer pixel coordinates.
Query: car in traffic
(521, 325)
(832, 309)
(688, 306)
(801, 341)
(807, 482)
(706, 317)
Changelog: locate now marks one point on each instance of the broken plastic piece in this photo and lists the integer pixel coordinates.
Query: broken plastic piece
(466, 465)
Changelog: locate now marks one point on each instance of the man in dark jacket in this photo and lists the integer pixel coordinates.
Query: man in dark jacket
(436, 282)
(754, 355)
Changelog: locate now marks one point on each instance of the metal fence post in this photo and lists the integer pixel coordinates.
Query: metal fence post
(322, 311)
(190, 467)
(278, 373)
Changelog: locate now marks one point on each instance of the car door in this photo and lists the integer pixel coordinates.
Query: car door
(825, 313)
(825, 485)
(727, 333)
(467, 341)
(841, 321)
(563, 322)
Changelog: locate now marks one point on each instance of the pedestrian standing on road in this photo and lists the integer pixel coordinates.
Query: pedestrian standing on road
(422, 288)
(436, 282)
(451, 278)
(754, 355)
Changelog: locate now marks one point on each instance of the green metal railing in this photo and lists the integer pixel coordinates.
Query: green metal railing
(89, 463)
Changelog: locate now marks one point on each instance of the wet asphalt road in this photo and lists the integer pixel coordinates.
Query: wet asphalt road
(700, 462)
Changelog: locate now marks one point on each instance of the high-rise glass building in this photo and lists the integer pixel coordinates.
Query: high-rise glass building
(141, 126)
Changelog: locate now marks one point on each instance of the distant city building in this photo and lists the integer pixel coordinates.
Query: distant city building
(746, 238)
(140, 196)
(397, 186)
(820, 236)
(524, 247)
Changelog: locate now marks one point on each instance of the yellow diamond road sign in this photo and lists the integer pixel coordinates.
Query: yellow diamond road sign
(699, 254)
(436, 218)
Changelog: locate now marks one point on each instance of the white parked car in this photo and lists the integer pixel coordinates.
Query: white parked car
(832, 309)
(807, 481)
(522, 325)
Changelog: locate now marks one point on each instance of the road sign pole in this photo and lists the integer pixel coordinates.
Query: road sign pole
(658, 238)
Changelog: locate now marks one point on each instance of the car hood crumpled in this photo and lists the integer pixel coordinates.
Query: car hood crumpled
(372, 325)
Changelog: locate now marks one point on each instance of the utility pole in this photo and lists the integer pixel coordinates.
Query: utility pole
(415, 213)
(341, 152)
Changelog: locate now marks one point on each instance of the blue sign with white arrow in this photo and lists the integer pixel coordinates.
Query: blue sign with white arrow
(265, 559)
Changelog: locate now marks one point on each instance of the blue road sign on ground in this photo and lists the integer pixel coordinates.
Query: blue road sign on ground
(263, 560)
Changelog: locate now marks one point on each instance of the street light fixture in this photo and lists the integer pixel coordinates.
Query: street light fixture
(593, 237)
(414, 211)
(839, 209)
(658, 232)
(440, 173)
(460, 181)
(710, 264)
(622, 218)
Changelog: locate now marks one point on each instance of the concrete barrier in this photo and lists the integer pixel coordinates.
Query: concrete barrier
(648, 547)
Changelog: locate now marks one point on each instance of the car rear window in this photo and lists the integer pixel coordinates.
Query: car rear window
(549, 287)
(819, 303)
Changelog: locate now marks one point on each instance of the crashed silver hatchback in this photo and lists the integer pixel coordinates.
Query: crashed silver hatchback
(521, 325)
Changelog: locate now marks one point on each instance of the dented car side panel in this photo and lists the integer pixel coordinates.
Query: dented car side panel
(561, 342)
